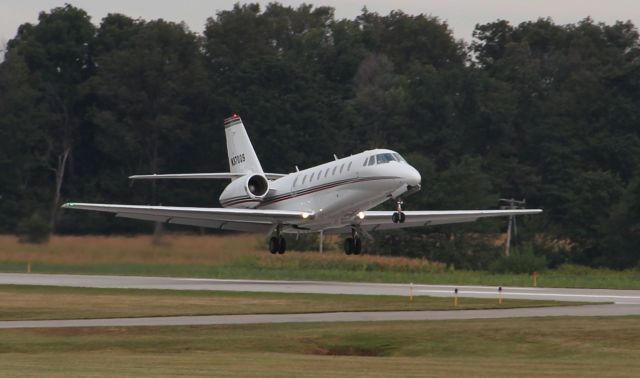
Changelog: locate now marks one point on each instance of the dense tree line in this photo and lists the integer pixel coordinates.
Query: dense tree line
(539, 111)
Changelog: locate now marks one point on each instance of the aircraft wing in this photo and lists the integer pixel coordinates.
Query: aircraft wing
(381, 220)
(250, 220)
(221, 175)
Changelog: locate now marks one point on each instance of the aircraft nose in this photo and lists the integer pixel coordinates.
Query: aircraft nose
(413, 177)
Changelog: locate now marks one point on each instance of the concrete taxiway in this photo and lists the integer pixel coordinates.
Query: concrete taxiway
(621, 302)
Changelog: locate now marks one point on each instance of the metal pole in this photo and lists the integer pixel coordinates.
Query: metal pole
(321, 240)
(506, 250)
(510, 204)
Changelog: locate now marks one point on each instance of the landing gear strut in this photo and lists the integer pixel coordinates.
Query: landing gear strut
(398, 216)
(277, 244)
(353, 245)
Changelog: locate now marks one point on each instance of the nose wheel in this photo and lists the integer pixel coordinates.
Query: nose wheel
(353, 245)
(398, 216)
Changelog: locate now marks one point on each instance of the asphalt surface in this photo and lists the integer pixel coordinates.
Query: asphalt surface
(624, 302)
(588, 310)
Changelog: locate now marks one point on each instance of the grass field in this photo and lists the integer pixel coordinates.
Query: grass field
(584, 347)
(573, 347)
(244, 256)
(47, 302)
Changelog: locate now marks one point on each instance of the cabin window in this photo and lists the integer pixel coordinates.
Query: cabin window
(341, 167)
(349, 166)
(334, 170)
(295, 181)
(326, 173)
(319, 175)
(304, 179)
(365, 162)
(372, 160)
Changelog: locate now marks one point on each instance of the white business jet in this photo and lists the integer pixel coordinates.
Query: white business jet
(330, 198)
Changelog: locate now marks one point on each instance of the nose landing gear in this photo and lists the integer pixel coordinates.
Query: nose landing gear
(398, 216)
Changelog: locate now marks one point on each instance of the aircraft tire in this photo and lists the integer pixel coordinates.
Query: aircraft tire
(395, 217)
(282, 246)
(402, 217)
(357, 246)
(348, 246)
(274, 245)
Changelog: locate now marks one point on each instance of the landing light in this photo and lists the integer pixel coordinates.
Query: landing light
(305, 215)
(360, 215)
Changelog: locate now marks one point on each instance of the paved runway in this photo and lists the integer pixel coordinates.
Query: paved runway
(588, 310)
(322, 287)
(625, 302)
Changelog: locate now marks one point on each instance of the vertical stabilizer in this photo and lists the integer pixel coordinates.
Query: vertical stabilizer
(242, 157)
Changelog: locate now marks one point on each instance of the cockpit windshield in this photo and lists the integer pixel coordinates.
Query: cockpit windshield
(399, 158)
(385, 158)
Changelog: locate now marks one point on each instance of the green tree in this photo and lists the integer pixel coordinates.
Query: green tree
(537, 110)
(149, 89)
(571, 120)
(267, 66)
(22, 144)
(618, 246)
(56, 54)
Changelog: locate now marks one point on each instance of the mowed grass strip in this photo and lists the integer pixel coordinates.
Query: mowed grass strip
(592, 347)
(245, 256)
(173, 249)
(49, 302)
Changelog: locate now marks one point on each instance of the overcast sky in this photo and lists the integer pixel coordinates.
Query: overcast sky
(461, 15)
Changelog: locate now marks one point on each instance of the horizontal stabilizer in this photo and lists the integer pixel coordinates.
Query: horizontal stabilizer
(222, 175)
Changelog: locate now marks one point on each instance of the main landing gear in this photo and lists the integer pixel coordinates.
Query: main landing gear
(398, 216)
(353, 245)
(277, 244)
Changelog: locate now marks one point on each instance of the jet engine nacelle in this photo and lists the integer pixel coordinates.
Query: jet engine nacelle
(245, 192)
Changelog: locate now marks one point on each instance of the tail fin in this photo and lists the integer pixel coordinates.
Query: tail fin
(242, 157)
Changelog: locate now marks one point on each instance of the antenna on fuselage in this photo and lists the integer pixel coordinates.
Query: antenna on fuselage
(297, 169)
(335, 156)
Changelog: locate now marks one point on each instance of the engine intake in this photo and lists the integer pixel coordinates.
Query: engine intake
(257, 186)
(245, 192)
